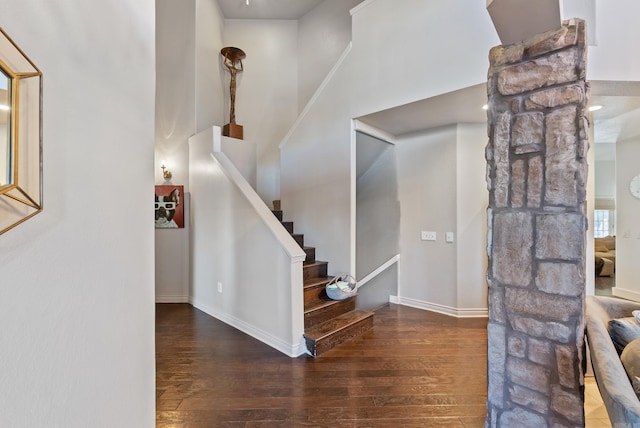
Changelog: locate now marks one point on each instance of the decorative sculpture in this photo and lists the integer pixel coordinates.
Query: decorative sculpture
(233, 61)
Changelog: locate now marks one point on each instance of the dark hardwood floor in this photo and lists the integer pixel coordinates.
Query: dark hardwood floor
(414, 369)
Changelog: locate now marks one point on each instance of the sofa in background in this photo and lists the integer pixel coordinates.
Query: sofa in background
(617, 393)
(605, 255)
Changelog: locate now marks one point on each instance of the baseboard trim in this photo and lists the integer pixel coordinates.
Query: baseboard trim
(169, 298)
(291, 350)
(625, 294)
(441, 309)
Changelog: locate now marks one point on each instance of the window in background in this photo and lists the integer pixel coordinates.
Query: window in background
(603, 223)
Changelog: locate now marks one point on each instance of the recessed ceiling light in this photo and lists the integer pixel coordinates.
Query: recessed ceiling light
(485, 107)
(595, 107)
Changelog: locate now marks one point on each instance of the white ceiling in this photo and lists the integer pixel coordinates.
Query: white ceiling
(618, 120)
(266, 9)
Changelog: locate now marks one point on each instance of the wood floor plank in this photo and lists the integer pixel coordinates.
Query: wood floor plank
(414, 369)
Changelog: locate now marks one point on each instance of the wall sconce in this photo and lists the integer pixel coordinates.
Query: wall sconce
(165, 171)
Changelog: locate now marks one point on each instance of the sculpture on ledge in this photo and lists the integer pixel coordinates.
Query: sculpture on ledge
(233, 61)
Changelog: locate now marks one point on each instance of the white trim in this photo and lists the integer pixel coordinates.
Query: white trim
(173, 298)
(379, 270)
(316, 95)
(625, 294)
(372, 131)
(290, 349)
(353, 204)
(441, 309)
(361, 6)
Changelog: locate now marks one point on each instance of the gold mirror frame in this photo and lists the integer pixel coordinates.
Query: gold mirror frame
(21, 197)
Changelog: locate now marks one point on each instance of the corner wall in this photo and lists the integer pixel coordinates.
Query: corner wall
(627, 214)
(77, 287)
(189, 98)
(441, 186)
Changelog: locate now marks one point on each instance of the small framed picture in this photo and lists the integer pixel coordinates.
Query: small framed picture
(169, 207)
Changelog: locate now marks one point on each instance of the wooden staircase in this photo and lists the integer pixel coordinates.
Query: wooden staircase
(327, 322)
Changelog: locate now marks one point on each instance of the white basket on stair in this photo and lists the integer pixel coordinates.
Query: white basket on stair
(341, 287)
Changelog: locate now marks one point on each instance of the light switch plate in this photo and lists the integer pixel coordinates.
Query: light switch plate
(427, 235)
(449, 237)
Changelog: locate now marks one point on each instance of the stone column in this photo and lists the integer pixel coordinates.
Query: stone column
(536, 175)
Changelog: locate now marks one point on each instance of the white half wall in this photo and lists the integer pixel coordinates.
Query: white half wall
(241, 272)
(77, 287)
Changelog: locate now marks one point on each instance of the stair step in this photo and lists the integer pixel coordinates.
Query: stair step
(318, 311)
(311, 254)
(299, 238)
(314, 269)
(278, 214)
(287, 225)
(314, 289)
(335, 331)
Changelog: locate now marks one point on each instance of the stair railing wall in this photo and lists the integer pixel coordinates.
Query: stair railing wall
(246, 270)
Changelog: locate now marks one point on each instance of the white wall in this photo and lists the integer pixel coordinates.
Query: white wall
(172, 259)
(190, 83)
(627, 214)
(605, 175)
(427, 192)
(617, 33)
(210, 90)
(76, 295)
(415, 49)
(266, 95)
(377, 218)
(323, 33)
(316, 175)
(175, 87)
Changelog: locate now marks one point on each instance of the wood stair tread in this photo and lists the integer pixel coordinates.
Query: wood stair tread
(317, 281)
(335, 324)
(319, 305)
(314, 263)
(327, 322)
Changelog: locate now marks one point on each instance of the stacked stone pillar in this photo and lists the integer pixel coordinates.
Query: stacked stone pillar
(536, 174)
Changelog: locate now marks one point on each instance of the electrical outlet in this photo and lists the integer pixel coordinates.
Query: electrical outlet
(219, 287)
(427, 235)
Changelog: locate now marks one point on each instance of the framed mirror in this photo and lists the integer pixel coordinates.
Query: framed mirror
(20, 136)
